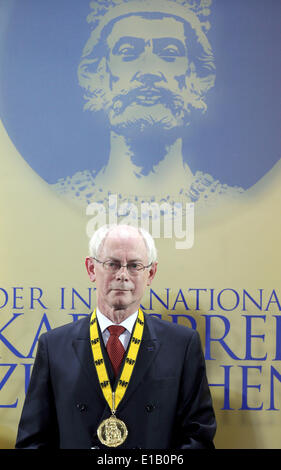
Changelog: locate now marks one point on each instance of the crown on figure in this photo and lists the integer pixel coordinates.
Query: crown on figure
(107, 10)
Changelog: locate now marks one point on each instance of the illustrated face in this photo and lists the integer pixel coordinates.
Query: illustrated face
(121, 290)
(147, 63)
(147, 73)
(147, 52)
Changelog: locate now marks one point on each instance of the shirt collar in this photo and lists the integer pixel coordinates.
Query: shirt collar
(104, 322)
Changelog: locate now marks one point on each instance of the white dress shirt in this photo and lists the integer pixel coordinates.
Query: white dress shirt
(129, 323)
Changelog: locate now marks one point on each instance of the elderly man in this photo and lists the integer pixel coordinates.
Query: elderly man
(119, 378)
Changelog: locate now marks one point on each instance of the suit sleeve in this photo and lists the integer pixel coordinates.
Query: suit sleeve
(38, 424)
(196, 418)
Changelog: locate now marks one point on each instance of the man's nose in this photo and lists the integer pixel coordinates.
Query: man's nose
(149, 69)
(149, 78)
(122, 273)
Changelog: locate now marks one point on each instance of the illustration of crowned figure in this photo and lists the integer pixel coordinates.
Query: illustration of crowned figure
(148, 66)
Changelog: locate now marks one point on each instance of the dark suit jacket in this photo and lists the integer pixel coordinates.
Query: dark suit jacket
(167, 403)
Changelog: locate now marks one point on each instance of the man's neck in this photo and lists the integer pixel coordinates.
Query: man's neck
(170, 174)
(116, 315)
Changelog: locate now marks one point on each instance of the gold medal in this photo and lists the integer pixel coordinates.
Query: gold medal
(112, 432)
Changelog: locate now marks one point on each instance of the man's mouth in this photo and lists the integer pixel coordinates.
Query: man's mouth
(121, 290)
(144, 96)
(148, 96)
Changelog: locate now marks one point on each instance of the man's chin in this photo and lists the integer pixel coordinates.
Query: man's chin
(120, 299)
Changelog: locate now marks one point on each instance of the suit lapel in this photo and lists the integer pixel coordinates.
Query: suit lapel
(83, 351)
(82, 347)
(149, 348)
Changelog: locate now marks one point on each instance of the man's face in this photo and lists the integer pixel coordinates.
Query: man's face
(147, 63)
(121, 290)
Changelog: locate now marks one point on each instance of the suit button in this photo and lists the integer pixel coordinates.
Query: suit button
(149, 408)
(81, 406)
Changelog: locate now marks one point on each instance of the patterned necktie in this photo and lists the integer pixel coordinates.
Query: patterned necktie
(114, 347)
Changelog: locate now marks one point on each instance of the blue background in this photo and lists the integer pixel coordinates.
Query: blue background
(41, 103)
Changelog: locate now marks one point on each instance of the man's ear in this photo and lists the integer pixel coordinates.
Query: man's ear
(89, 262)
(152, 272)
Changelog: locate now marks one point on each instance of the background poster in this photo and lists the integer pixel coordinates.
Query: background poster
(157, 112)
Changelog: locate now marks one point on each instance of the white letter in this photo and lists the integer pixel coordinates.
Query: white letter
(189, 219)
(98, 220)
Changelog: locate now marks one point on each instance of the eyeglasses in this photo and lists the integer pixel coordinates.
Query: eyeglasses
(114, 266)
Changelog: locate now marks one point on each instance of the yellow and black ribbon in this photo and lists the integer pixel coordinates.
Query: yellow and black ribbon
(114, 398)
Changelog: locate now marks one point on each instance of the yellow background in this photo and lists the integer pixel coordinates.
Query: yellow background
(44, 243)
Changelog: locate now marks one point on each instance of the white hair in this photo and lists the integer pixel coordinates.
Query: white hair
(99, 236)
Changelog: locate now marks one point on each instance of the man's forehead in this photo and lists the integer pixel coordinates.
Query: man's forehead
(146, 28)
(123, 238)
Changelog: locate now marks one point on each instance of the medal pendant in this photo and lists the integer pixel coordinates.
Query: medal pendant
(112, 432)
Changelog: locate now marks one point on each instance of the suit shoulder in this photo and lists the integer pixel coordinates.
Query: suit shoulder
(174, 329)
(70, 330)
